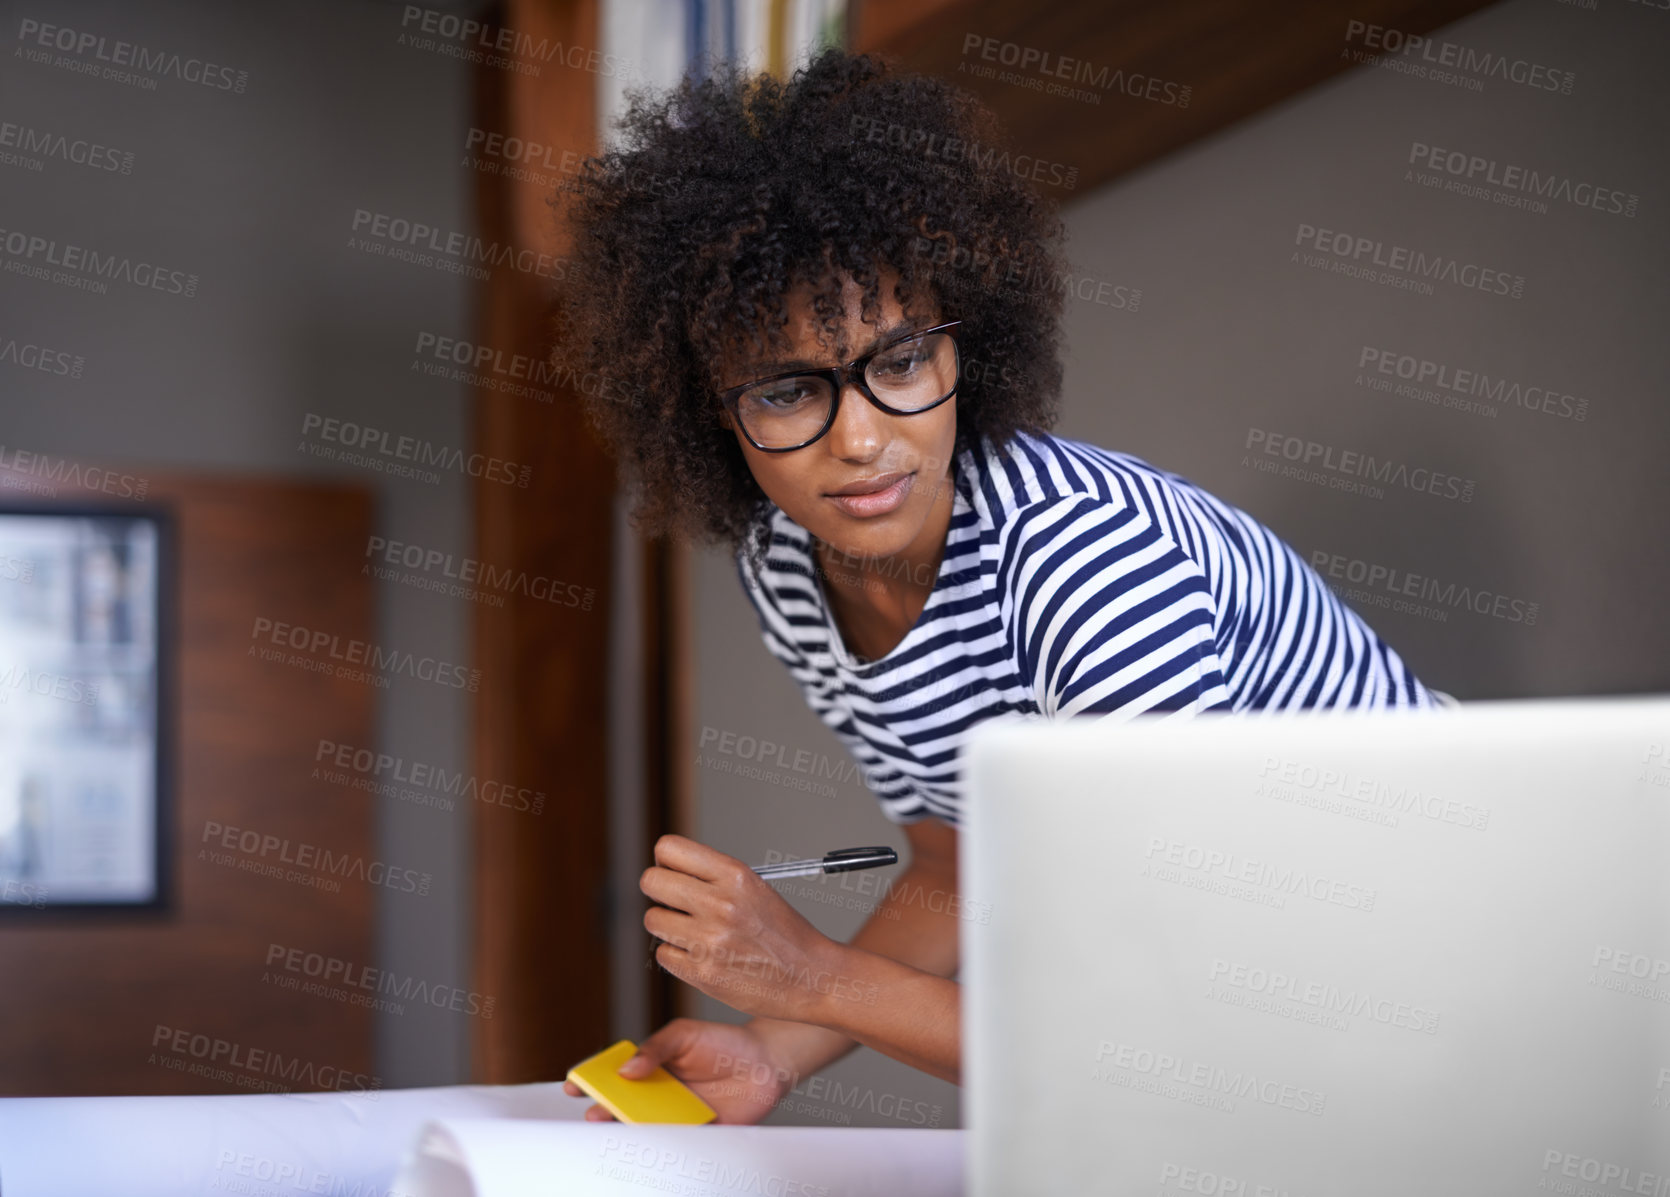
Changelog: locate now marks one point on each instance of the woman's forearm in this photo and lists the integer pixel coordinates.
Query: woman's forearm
(800, 1048)
(903, 1012)
(915, 924)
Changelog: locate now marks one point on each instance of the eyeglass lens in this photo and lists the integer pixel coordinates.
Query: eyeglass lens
(908, 376)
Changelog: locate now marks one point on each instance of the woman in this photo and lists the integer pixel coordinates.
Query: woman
(838, 314)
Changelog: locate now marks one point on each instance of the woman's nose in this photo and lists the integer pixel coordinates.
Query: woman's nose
(860, 429)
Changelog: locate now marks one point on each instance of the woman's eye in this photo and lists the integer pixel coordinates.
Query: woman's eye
(900, 365)
(783, 394)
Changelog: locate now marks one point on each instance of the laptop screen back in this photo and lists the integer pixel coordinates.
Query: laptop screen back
(1321, 952)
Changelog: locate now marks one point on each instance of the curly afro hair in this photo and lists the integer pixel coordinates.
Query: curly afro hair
(723, 195)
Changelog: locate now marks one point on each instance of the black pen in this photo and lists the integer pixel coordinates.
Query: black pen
(839, 861)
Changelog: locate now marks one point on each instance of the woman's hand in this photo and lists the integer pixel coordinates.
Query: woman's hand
(732, 936)
(729, 1067)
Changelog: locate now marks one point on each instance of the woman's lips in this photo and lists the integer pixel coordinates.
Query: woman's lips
(877, 502)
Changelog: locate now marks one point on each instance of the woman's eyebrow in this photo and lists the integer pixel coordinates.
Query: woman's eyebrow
(884, 333)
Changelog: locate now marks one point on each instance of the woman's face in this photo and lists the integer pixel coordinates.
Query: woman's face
(864, 445)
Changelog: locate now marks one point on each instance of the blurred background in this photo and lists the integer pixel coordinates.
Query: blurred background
(340, 704)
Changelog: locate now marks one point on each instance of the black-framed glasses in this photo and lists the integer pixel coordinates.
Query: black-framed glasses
(910, 374)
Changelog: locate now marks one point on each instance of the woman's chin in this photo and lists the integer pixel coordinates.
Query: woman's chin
(880, 536)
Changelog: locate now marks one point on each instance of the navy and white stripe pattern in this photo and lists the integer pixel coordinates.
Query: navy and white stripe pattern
(1076, 580)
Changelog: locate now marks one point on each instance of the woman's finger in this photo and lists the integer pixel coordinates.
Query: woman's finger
(687, 856)
(669, 926)
(680, 891)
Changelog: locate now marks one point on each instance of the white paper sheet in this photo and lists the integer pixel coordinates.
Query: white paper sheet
(468, 1157)
(265, 1144)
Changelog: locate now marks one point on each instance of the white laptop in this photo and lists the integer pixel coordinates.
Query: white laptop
(1318, 953)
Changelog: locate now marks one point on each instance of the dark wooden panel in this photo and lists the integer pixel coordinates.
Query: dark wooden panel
(1236, 56)
(668, 715)
(540, 918)
(85, 994)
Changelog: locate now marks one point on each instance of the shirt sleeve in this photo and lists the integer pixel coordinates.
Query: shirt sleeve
(1106, 613)
(1307, 647)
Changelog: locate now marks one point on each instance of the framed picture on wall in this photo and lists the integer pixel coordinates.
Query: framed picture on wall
(86, 596)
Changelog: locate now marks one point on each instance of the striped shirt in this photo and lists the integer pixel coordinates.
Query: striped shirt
(1075, 581)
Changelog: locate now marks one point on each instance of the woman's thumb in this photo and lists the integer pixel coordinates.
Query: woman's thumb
(653, 1051)
(639, 1066)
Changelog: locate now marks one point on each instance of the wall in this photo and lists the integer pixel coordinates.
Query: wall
(1237, 336)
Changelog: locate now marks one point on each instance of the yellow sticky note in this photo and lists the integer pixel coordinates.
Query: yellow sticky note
(659, 1097)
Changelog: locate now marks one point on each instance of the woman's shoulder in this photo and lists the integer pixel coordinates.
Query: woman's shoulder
(1041, 470)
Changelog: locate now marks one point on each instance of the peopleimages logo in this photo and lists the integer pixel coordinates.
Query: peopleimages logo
(378, 660)
(1465, 390)
(950, 153)
(656, 1165)
(473, 577)
(1378, 261)
(20, 470)
(1655, 764)
(1235, 868)
(1371, 793)
(378, 449)
(409, 236)
(330, 970)
(257, 846)
(47, 684)
(1344, 466)
(497, 45)
(30, 356)
(23, 893)
(759, 1073)
(1210, 1079)
(1601, 1172)
(1394, 581)
(1393, 48)
(1323, 996)
(118, 53)
(31, 255)
(999, 275)
(803, 761)
(17, 569)
(27, 141)
(1474, 175)
(381, 769)
(211, 1051)
(1217, 1184)
(1040, 70)
(491, 367)
(1639, 974)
